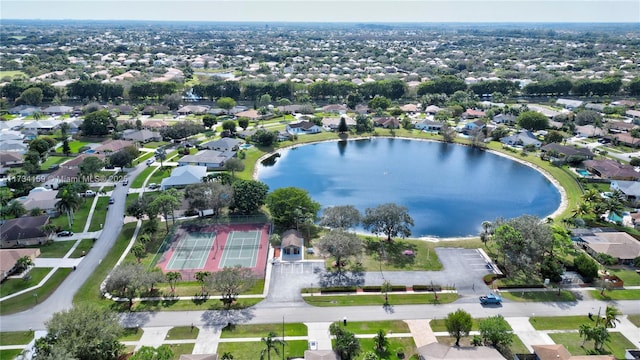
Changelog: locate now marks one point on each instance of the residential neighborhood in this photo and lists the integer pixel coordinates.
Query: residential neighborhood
(131, 158)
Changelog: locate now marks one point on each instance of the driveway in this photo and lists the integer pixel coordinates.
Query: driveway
(288, 279)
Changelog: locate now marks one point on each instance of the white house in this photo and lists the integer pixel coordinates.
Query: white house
(522, 138)
(303, 127)
(332, 123)
(183, 176)
(222, 144)
(429, 125)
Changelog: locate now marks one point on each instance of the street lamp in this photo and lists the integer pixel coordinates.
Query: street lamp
(35, 295)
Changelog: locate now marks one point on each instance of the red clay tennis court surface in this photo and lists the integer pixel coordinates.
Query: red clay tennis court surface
(194, 248)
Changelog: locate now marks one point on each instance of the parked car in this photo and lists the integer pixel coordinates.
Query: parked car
(153, 186)
(88, 193)
(111, 201)
(125, 182)
(150, 161)
(490, 299)
(65, 233)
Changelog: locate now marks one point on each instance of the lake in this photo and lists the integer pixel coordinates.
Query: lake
(449, 189)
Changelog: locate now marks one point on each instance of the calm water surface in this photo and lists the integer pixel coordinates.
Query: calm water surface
(449, 189)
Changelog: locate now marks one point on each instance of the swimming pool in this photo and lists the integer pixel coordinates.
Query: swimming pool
(583, 172)
(614, 217)
(245, 146)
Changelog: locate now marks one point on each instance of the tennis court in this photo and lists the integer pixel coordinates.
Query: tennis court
(192, 251)
(210, 247)
(241, 248)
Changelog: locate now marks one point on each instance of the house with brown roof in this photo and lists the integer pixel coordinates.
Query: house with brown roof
(251, 114)
(112, 146)
(154, 124)
(332, 123)
(23, 231)
(619, 245)
(193, 109)
(473, 114)
(292, 245)
(11, 159)
(610, 169)
(562, 152)
(386, 122)
(43, 200)
(9, 258)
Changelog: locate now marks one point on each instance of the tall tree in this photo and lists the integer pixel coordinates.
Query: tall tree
(611, 316)
(458, 324)
(340, 217)
(166, 203)
(90, 166)
(341, 245)
(161, 154)
(68, 203)
(284, 202)
(226, 103)
(209, 195)
(66, 149)
(209, 120)
(231, 281)
(14, 208)
(380, 342)
(234, 164)
(86, 332)
(249, 195)
(346, 344)
(271, 342)
(127, 281)
(495, 330)
(388, 219)
(97, 123)
(201, 278)
(172, 278)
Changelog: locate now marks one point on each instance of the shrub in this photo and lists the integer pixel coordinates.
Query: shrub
(427, 288)
(338, 289)
(586, 267)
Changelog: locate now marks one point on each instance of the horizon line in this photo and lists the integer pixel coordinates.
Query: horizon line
(324, 21)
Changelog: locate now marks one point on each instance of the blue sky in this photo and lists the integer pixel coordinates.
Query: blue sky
(329, 10)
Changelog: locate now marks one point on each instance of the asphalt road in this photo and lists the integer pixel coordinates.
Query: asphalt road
(62, 298)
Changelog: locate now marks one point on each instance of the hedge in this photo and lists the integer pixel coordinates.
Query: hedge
(427, 288)
(338, 289)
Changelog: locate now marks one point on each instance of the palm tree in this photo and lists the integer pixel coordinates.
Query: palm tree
(380, 342)
(487, 231)
(226, 356)
(172, 278)
(201, 277)
(271, 342)
(69, 201)
(161, 154)
(591, 196)
(614, 206)
(611, 316)
(582, 210)
(14, 208)
(24, 262)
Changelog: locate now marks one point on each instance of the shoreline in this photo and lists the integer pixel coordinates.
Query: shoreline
(564, 202)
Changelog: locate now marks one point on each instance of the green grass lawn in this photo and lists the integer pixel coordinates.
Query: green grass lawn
(632, 294)
(438, 325)
(185, 305)
(405, 344)
(80, 217)
(261, 330)
(425, 257)
(155, 144)
(16, 337)
(132, 334)
(139, 180)
(12, 286)
(27, 300)
(82, 249)
(89, 292)
(372, 327)
(251, 350)
(53, 160)
(55, 249)
(630, 277)
(394, 299)
(182, 333)
(99, 214)
(9, 354)
(559, 322)
(74, 145)
(160, 174)
(144, 157)
(539, 296)
(190, 288)
(635, 319)
(181, 349)
(573, 342)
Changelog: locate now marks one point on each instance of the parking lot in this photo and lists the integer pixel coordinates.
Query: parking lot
(462, 269)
